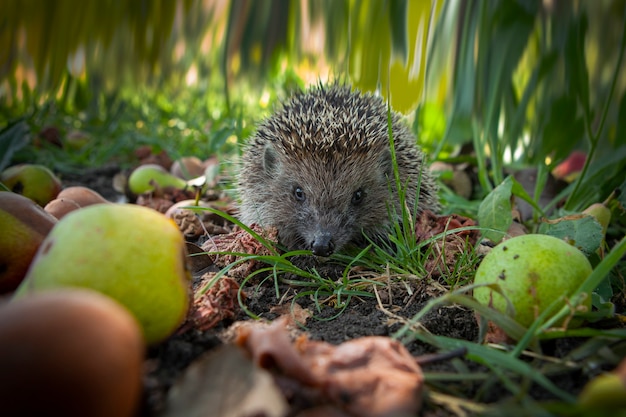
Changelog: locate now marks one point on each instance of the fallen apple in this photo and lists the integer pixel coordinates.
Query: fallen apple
(131, 253)
(533, 272)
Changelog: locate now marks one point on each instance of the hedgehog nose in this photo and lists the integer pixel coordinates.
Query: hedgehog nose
(323, 244)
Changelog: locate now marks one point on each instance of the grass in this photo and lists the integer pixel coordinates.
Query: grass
(181, 123)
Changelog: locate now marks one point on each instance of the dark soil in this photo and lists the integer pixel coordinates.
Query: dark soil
(363, 317)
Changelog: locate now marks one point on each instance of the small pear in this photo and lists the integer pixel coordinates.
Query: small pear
(77, 140)
(131, 253)
(147, 178)
(533, 271)
(601, 213)
(33, 181)
(604, 392)
(24, 226)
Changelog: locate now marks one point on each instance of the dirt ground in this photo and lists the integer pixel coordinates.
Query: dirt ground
(166, 362)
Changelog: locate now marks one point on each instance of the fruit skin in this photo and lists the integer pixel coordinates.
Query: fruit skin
(569, 169)
(146, 178)
(77, 140)
(131, 253)
(24, 226)
(73, 198)
(33, 181)
(606, 391)
(70, 353)
(533, 271)
(187, 168)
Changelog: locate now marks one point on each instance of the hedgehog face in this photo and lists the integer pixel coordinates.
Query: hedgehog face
(328, 203)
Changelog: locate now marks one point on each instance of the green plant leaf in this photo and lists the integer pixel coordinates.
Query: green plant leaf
(563, 129)
(494, 358)
(518, 190)
(620, 134)
(600, 296)
(578, 77)
(495, 211)
(459, 128)
(398, 27)
(584, 232)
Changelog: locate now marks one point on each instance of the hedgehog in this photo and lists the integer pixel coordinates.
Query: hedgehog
(320, 170)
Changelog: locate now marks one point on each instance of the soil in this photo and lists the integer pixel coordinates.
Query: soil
(166, 362)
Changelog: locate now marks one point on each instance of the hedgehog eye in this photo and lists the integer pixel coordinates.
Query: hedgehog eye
(357, 197)
(298, 193)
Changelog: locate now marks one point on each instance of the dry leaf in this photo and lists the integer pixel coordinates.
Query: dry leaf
(225, 383)
(240, 241)
(217, 304)
(365, 377)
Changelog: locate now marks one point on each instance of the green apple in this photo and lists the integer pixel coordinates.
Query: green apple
(33, 181)
(533, 271)
(131, 253)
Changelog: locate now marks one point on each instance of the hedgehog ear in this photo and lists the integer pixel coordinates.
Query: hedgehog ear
(271, 165)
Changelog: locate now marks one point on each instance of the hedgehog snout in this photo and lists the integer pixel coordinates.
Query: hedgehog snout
(322, 244)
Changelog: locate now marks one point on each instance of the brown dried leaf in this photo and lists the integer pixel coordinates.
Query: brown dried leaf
(194, 223)
(216, 224)
(294, 312)
(240, 241)
(217, 304)
(225, 383)
(446, 250)
(197, 259)
(188, 223)
(366, 377)
(157, 203)
(146, 155)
